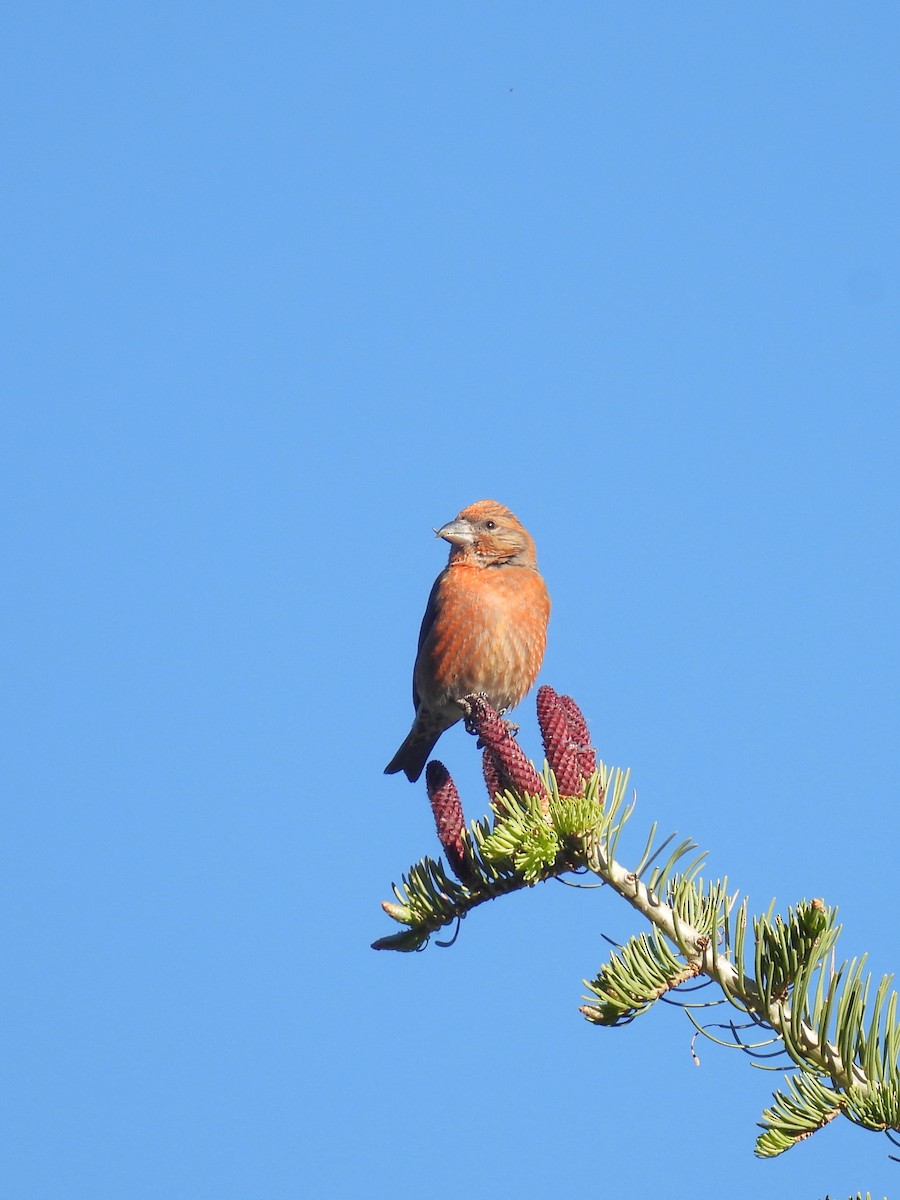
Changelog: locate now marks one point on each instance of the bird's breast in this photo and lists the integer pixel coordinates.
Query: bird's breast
(488, 635)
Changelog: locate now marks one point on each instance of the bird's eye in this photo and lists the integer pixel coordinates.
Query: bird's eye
(490, 524)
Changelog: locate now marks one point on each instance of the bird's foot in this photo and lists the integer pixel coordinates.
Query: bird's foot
(473, 709)
(471, 706)
(511, 727)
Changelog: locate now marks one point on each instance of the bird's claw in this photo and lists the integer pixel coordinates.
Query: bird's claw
(469, 705)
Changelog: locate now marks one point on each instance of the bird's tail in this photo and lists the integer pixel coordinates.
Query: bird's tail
(413, 754)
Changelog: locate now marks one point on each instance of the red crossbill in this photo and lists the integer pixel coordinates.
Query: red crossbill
(484, 629)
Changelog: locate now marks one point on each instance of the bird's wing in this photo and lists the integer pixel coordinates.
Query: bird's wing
(431, 609)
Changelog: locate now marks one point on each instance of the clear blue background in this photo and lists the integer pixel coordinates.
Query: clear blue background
(287, 285)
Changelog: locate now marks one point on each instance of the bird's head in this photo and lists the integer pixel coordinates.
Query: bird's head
(487, 534)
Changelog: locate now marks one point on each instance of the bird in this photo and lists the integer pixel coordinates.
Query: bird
(484, 629)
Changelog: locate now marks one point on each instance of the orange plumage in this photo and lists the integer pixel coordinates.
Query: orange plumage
(484, 629)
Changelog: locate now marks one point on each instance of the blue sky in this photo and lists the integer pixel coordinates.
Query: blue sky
(285, 286)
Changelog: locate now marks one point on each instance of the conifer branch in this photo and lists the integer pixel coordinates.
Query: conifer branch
(842, 1037)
